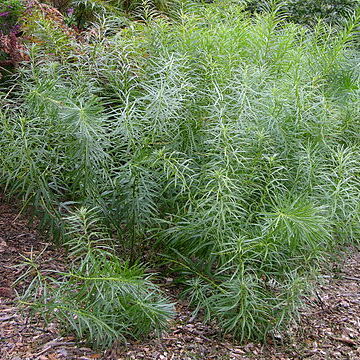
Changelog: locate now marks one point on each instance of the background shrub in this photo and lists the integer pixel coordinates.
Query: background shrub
(308, 12)
(10, 12)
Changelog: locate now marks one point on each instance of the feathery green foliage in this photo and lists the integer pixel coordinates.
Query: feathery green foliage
(229, 144)
(101, 298)
(308, 12)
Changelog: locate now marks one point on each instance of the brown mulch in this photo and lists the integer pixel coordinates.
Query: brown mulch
(329, 327)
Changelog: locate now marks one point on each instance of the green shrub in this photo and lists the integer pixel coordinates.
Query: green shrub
(228, 144)
(310, 11)
(83, 13)
(101, 298)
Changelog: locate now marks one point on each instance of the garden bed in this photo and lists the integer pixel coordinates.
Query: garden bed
(328, 328)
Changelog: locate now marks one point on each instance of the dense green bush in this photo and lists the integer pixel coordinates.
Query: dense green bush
(84, 12)
(101, 298)
(310, 11)
(229, 145)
